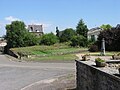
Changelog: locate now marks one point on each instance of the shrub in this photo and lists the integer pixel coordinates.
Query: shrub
(112, 39)
(31, 39)
(93, 48)
(49, 39)
(79, 41)
(99, 60)
(74, 41)
(91, 42)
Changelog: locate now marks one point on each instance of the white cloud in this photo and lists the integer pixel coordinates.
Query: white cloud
(2, 29)
(11, 18)
(1, 25)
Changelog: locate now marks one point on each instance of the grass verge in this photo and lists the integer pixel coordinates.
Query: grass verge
(59, 52)
(67, 57)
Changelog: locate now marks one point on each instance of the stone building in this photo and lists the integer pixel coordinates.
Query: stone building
(93, 33)
(36, 29)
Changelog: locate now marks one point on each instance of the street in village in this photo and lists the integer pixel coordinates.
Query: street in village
(15, 75)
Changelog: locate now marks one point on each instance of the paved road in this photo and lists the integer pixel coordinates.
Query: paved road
(17, 75)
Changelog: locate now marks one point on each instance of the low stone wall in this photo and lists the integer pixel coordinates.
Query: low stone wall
(13, 54)
(1, 49)
(91, 78)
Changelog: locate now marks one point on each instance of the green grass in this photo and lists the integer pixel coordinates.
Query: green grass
(35, 50)
(58, 52)
(54, 52)
(68, 57)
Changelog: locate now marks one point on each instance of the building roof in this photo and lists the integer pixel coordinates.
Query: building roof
(35, 28)
(95, 30)
(118, 26)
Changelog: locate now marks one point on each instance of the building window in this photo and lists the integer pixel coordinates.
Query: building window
(93, 37)
(31, 29)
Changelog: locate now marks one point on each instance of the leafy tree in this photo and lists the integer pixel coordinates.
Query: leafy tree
(31, 39)
(67, 34)
(93, 48)
(18, 36)
(106, 27)
(75, 41)
(49, 39)
(79, 41)
(15, 34)
(112, 39)
(82, 29)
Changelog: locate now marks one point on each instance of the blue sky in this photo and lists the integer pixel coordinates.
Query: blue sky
(61, 13)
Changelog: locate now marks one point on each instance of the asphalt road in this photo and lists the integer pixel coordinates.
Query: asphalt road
(17, 75)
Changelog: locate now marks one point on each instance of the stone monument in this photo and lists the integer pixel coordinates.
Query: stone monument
(103, 47)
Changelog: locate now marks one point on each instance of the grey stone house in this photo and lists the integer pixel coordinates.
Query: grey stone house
(36, 29)
(93, 33)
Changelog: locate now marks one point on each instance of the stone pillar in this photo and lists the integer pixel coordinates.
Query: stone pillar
(103, 47)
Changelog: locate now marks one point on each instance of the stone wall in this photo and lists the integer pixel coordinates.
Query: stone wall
(1, 49)
(11, 53)
(90, 78)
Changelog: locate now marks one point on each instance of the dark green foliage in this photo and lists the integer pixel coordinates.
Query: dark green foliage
(15, 34)
(91, 42)
(18, 36)
(31, 39)
(49, 39)
(93, 48)
(75, 41)
(112, 39)
(79, 41)
(82, 29)
(57, 32)
(67, 35)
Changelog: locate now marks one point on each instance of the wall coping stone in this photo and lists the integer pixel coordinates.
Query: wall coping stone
(110, 72)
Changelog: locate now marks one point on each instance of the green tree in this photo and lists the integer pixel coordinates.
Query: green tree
(79, 41)
(106, 27)
(31, 39)
(57, 32)
(75, 41)
(112, 39)
(18, 36)
(81, 28)
(49, 39)
(67, 34)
